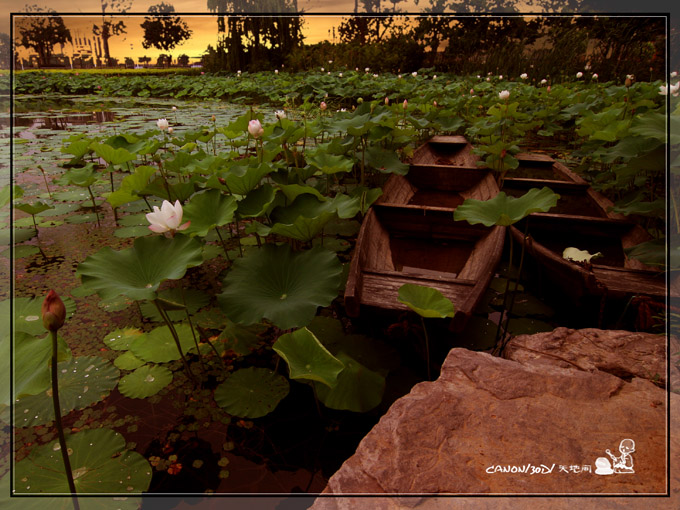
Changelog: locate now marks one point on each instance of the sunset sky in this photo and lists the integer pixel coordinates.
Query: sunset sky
(204, 27)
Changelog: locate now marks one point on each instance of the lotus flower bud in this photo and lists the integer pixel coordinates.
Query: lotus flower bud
(504, 94)
(162, 124)
(53, 312)
(405, 104)
(414, 74)
(170, 130)
(579, 74)
(323, 105)
(595, 76)
(387, 101)
(255, 128)
(280, 114)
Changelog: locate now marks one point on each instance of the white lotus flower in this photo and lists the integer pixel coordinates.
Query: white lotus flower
(434, 77)
(276, 71)
(162, 124)
(340, 75)
(675, 89)
(167, 218)
(544, 81)
(595, 76)
(280, 114)
(414, 74)
(524, 76)
(579, 74)
(504, 94)
(255, 128)
(367, 69)
(663, 90)
(322, 69)
(674, 74)
(174, 108)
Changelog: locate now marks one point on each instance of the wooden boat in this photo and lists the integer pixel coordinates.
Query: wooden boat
(582, 219)
(410, 236)
(423, 246)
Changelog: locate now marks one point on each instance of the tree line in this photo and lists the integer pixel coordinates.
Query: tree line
(378, 37)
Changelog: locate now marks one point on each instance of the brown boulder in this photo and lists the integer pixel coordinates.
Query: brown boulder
(450, 436)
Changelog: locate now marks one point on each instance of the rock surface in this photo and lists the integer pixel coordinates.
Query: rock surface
(561, 409)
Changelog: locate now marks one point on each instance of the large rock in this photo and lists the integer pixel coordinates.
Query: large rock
(485, 415)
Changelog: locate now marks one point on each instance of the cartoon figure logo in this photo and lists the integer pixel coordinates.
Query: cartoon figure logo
(622, 464)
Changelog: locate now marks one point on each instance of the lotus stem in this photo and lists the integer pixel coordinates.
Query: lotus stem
(505, 293)
(58, 423)
(175, 337)
(94, 206)
(111, 179)
(45, 179)
(193, 333)
(224, 246)
(427, 348)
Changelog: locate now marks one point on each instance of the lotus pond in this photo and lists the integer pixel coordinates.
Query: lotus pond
(217, 357)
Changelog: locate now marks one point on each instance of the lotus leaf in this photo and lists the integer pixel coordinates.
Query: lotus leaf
(128, 361)
(111, 155)
(138, 271)
(329, 164)
(158, 345)
(82, 382)
(303, 229)
(385, 161)
(257, 201)
(251, 392)
(192, 298)
(240, 339)
(99, 460)
(277, 284)
(208, 210)
(145, 381)
(652, 253)
(426, 301)
(32, 356)
(83, 177)
(505, 210)
(243, 179)
(358, 389)
(307, 358)
(33, 208)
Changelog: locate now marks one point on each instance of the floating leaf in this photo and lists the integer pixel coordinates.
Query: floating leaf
(240, 339)
(426, 301)
(28, 313)
(82, 382)
(251, 392)
(358, 389)
(138, 271)
(505, 210)
(158, 345)
(280, 285)
(307, 358)
(99, 462)
(145, 381)
(128, 361)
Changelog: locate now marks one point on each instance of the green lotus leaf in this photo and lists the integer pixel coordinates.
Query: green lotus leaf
(240, 339)
(329, 164)
(82, 382)
(128, 361)
(83, 177)
(505, 210)
(208, 210)
(145, 381)
(652, 253)
(240, 180)
(385, 161)
(577, 255)
(257, 201)
(303, 229)
(277, 284)
(251, 392)
(131, 186)
(358, 389)
(33, 208)
(99, 462)
(307, 358)
(426, 301)
(32, 357)
(111, 155)
(192, 298)
(366, 197)
(10, 192)
(137, 272)
(61, 502)
(28, 313)
(158, 345)
(292, 191)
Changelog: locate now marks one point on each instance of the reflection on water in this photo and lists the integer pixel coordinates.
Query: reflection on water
(60, 122)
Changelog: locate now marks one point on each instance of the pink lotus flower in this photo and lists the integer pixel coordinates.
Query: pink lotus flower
(255, 128)
(167, 218)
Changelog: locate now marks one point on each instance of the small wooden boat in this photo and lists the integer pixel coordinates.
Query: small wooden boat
(423, 246)
(582, 219)
(410, 235)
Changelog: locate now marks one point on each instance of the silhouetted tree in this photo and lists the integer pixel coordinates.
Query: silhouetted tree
(108, 28)
(164, 31)
(42, 33)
